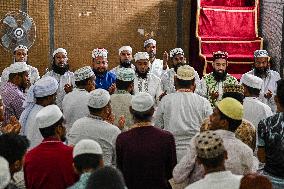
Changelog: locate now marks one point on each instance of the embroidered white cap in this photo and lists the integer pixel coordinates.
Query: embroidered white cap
(48, 116)
(5, 175)
(185, 72)
(99, 52)
(21, 47)
(125, 48)
(99, 98)
(45, 86)
(141, 56)
(87, 146)
(252, 81)
(59, 50)
(142, 102)
(148, 41)
(260, 53)
(83, 73)
(18, 67)
(176, 51)
(125, 74)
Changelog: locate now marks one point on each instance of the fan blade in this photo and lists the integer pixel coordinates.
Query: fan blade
(6, 40)
(24, 41)
(10, 21)
(27, 24)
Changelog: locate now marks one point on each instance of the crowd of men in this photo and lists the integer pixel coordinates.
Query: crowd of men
(147, 123)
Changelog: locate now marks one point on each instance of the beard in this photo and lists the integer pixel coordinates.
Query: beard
(219, 76)
(60, 70)
(125, 64)
(176, 66)
(261, 72)
(152, 54)
(98, 73)
(142, 75)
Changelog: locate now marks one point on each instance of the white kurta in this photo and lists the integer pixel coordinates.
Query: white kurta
(101, 131)
(269, 83)
(75, 106)
(182, 114)
(67, 78)
(151, 84)
(156, 68)
(167, 81)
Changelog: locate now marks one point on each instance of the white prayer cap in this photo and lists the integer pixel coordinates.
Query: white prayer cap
(176, 51)
(83, 73)
(125, 74)
(185, 72)
(142, 102)
(99, 52)
(21, 47)
(252, 81)
(260, 53)
(18, 67)
(45, 86)
(125, 48)
(87, 146)
(141, 56)
(5, 175)
(48, 116)
(99, 98)
(148, 41)
(59, 50)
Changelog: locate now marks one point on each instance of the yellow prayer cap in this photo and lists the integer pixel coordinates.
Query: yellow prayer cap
(231, 107)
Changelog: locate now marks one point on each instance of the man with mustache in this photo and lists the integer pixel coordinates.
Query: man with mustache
(212, 84)
(269, 77)
(104, 78)
(125, 58)
(167, 79)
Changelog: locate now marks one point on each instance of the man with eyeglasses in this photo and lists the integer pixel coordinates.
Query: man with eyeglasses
(104, 78)
(269, 77)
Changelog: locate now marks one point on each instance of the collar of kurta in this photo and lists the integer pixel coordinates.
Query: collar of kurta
(51, 140)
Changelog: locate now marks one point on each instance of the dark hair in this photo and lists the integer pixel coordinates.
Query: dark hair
(280, 91)
(212, 162)
(50, 131)
(87, 161)
(142, 116)
(44, 97)
(13, 147)
(13, 75)
(252, 91)
(238, 96)
(185, 83)
(233, 123)
(123, 85)
(254, 180)
(95, 110)
(84, 82)
(106, 178)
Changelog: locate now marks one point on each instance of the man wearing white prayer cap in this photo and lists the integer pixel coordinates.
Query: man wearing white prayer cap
(60, 71)
(104, 78)
(145, 81)
(75, 103)
(167, 79)
(41, 94)
(125, 59)
(157, 67)
(269, 77)
(145, 148)
(12, 91)
(254, 109)
(87, 157)
(96, 125)
(183, 112)
(49, 165)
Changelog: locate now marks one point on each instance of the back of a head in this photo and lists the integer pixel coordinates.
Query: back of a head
(253, 180)
(106, 178)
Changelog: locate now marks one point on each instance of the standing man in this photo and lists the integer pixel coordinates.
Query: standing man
(182, 113)
(12, 91)
(60, 71)
(125, 58)
(157, 67)
(167, 79)
(269, 77)
(212, 84)
(75, 103)
(104, 79)
(145, 81)
(41, 94)
(95, 126)
(146, 155)
(49, 165)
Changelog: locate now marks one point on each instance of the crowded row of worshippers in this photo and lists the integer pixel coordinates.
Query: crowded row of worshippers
(158, 127)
